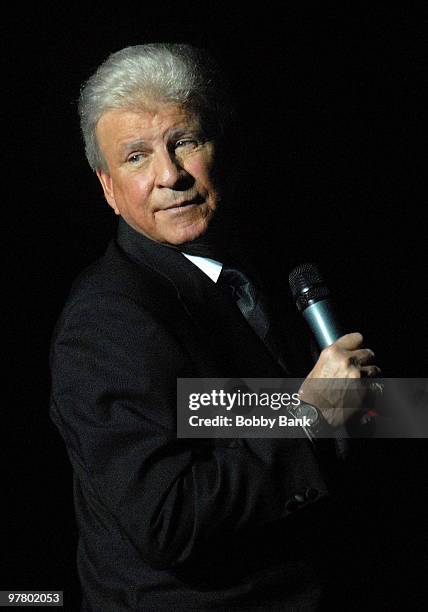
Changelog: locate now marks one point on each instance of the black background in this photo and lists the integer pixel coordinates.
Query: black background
(331, 108)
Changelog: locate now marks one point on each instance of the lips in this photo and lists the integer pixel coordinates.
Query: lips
(196, 200)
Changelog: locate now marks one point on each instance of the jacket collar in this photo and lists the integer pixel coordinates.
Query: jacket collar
(167, 261)
(208, 308)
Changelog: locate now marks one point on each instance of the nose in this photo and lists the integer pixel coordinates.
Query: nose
(169, 172)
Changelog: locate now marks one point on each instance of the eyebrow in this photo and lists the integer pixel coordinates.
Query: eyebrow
(135, 144)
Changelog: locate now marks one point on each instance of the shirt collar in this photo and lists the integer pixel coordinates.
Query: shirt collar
(211, 267)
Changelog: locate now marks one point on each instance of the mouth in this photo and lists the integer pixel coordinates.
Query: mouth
(186, 203)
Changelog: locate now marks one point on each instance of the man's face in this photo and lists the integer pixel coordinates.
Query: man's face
(160, 174)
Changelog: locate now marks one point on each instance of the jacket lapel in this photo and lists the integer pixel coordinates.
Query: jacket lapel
(199, 313)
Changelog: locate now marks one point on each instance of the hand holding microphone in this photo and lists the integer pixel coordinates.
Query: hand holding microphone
(333, 385)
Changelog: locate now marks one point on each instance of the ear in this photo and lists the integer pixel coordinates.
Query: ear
(107, 185)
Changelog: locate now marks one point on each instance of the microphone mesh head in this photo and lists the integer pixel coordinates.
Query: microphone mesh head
(307, 285)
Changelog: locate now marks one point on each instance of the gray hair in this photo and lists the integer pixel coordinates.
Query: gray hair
(141, 76)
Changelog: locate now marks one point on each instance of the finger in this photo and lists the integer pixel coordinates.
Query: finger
(361, 357)
(350, 342)
(370, 371)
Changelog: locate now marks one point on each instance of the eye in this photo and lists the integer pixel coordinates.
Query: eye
(135, 158)
(186, 143)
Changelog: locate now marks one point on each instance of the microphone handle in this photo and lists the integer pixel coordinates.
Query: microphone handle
(323, 322)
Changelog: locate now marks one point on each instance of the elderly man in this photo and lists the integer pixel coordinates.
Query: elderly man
(167, 523)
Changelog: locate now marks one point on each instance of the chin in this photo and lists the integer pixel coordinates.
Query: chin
(187, 236)
(190, 232)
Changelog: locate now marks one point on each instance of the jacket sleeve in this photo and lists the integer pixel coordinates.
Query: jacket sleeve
(114, 368)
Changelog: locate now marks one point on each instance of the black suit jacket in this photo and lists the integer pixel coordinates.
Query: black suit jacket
(167, 523)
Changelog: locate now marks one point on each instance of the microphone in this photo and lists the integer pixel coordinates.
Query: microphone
(312, 298)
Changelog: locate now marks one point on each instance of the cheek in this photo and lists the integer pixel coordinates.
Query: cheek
(135, 191)
(202, 171)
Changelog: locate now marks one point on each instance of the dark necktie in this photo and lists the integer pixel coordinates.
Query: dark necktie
(247, 297)
(252, 304)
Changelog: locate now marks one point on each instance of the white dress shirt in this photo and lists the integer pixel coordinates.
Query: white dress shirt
(211, 267)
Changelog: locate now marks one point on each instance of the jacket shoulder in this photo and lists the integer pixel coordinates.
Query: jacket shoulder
(113, 283)
(115, 273)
